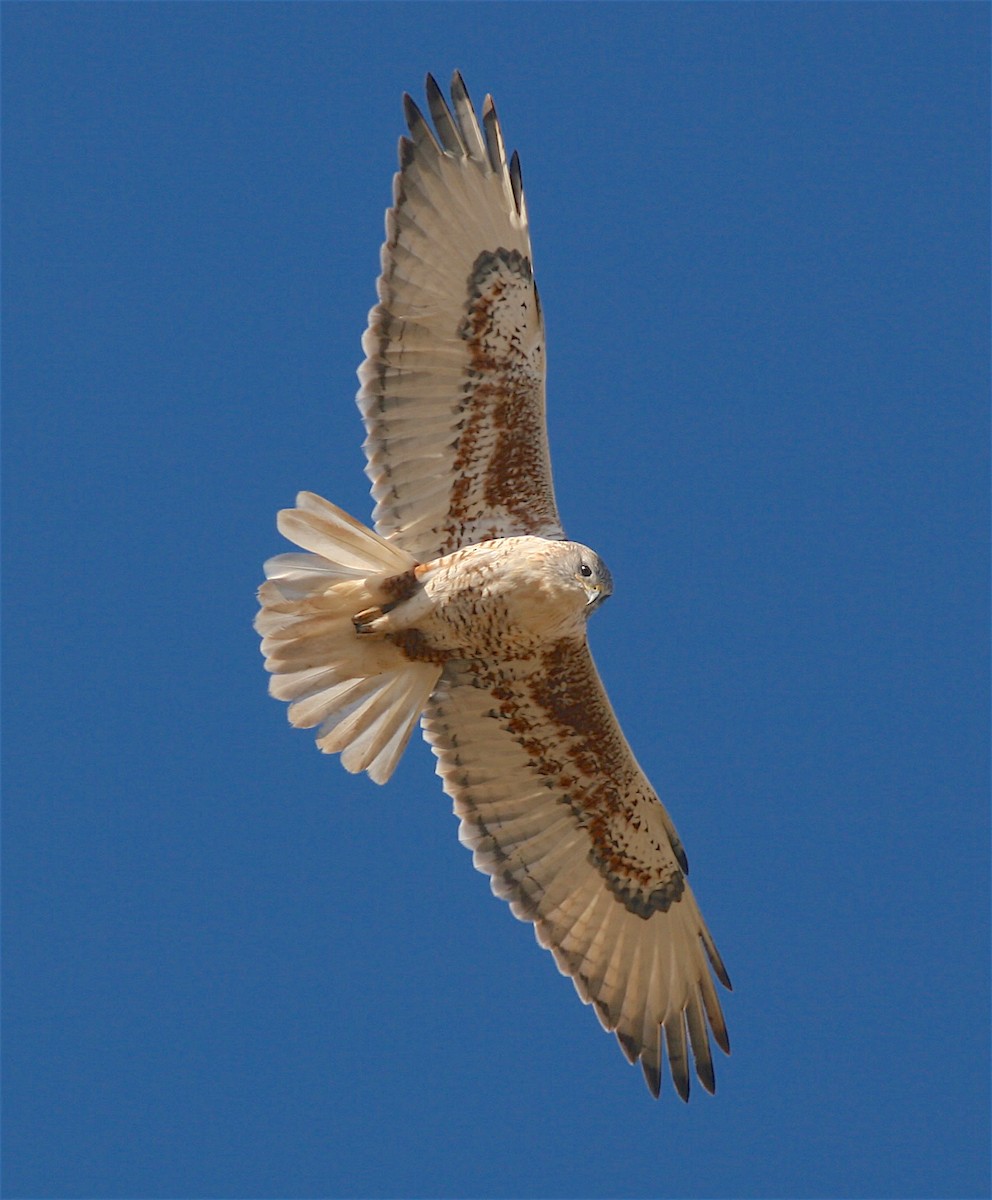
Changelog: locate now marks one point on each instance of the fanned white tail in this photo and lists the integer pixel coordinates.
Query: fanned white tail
(363, 694)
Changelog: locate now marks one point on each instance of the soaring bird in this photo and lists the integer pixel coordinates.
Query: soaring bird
(466, 607)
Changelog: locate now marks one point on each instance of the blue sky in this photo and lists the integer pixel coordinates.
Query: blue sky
(761, 236)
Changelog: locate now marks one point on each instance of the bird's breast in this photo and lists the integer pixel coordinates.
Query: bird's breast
(500, 599)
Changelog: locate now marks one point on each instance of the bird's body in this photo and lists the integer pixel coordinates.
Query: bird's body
(466, 608)
(505, 598)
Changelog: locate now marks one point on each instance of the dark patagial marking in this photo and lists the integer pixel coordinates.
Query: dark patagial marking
(569, 692)
(500, 458)
(587, 761)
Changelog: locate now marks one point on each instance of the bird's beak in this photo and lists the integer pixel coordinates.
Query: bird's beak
(595, 595)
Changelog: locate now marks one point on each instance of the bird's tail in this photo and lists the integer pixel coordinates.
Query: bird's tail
(363, 693)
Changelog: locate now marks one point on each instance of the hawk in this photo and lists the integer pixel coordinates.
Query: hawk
(466, 608)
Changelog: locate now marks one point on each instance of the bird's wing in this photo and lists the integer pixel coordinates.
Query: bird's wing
(452, 388)
(557, 811)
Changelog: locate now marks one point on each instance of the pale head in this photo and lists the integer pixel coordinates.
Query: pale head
(586, 571)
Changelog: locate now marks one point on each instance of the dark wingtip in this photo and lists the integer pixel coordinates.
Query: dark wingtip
(516, 180)
(716, 962)
(629, 1046)
(721, 1036)
(411, 112)
(446, 125)
(433, 92)
(652, 1077)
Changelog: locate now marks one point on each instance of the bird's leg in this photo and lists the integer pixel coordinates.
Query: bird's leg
(404, 603)
(369, 621)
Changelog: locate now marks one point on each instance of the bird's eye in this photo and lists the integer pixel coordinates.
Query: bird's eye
(585, 569)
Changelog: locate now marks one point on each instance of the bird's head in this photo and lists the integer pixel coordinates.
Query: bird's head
(590, 573)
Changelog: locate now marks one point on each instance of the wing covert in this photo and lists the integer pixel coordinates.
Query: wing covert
(452, 386)
(558, 813)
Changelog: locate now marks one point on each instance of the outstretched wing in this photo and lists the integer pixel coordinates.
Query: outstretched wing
(559, 814)
(453, 383)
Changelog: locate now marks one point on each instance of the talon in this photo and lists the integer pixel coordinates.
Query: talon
(365, 621)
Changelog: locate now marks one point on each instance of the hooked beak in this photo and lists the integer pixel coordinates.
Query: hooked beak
(595, 595)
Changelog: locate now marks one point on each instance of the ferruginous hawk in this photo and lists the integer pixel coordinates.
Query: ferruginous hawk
(467, 607)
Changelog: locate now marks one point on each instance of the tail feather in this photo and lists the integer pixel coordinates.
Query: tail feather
(295, 576)
(299, 685)
(371, 729)
(353, 550)
(379, 748)
(362, 693)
